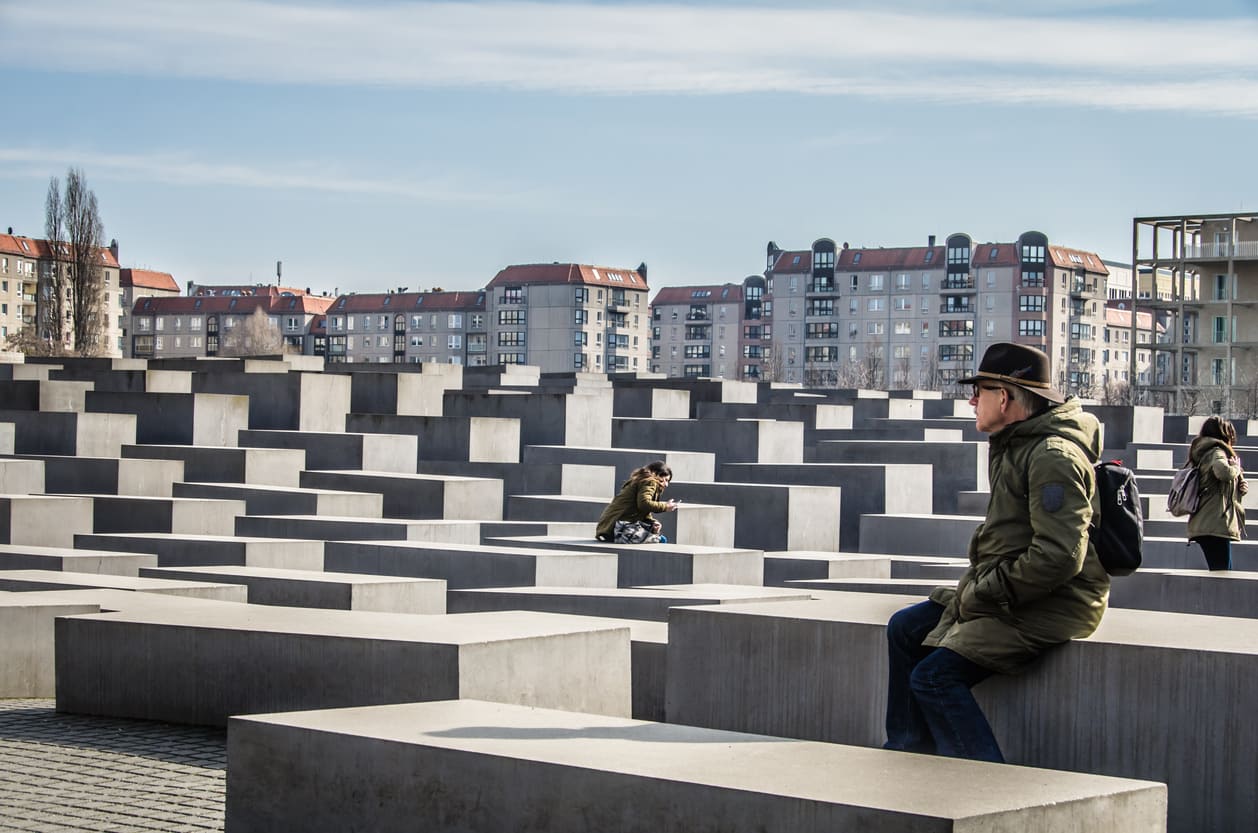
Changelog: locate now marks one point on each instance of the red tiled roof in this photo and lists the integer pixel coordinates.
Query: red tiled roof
(568, 273)
(986, 255)
(910, 257)
(788, 262)
(407, 302)
(244, 305)
(147, 279)
(32, 247)
(245, 289)
(1088, 260)
(730, 293)
(1115, 317)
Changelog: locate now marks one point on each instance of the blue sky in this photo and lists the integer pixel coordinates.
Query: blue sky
(384, 144)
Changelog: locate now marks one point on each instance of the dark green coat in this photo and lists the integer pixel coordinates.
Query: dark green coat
(1034, 578)
(1219, 511)
(635, 502)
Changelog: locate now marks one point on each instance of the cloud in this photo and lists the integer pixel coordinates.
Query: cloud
(181, 170)
(927, 54)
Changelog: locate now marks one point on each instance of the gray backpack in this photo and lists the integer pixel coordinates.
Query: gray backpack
(1185, 494)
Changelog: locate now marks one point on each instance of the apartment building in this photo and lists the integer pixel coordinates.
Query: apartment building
(1208, 359)
(1125, 344)
(702, 331)
(185, 327)
(27, 268)
(134, 284)
(565, 317)
(437, 326)
(19, 283)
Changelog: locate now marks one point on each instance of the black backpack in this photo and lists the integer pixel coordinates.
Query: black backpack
(1118, 531)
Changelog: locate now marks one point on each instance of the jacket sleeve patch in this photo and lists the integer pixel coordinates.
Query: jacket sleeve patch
(1052, 496)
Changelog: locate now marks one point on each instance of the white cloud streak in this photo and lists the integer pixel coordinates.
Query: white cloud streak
(181, 170)
(1119, 63)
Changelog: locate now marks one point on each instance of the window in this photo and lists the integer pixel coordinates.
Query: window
(1031, 303)
(515, 358)
(954, 328)
(1032, 278)
(1028, 327)
(877, 304)
(417, 341)
(874, 328)
(903, 303)
(579, 317)
(511, 338)
(1080, 331)
(903, 328)
(821, 354)
(875, 283)
(455, 321)
(698, 351)
(581, 295)
(956, 352)
(517, 316)
(698, 332)
(454, 342)
(580, 339)
(696, 370)
(512, 295)
(902, 281)
(827, 329)
(820, 306)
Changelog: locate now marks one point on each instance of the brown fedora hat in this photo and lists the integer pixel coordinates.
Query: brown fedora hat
(1017, 364)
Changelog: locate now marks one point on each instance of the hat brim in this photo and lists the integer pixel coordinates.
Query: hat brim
(1044, 392)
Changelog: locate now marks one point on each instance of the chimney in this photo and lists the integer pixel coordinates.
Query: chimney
(113, 248)
(641, 270)
(930, 241)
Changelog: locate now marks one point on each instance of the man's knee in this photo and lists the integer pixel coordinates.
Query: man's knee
(910, 625)
(944, 669)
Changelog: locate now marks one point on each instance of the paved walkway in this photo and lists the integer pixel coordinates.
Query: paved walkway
(62, 773)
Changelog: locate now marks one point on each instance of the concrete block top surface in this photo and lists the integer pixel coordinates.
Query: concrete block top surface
(810, 770)
(447, 629)
(313, 576)
(95, 580)
(124, 601)
(684, 592)
(602, 546)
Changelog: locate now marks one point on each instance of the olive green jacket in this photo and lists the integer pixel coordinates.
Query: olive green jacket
(1034, 578)
(635, 502)
(1219, 512)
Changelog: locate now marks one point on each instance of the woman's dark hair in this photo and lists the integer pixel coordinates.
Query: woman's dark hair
(1219, 428)
(659, 470)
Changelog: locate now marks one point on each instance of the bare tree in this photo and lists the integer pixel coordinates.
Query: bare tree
(254, 336)
(76, 276)
(50, 310)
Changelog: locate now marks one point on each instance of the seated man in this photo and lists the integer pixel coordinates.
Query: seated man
(1034, 579)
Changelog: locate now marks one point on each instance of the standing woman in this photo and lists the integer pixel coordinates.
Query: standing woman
(638, 498)
(1220, 518)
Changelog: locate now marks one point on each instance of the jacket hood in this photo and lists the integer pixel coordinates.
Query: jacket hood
(1201, 445)
(1067, 420)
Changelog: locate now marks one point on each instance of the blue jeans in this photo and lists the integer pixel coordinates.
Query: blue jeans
(930, 707)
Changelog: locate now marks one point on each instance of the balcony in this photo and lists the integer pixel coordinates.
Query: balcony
(1222, 251)
(697, 316)
(964, 283)
(512, 299)
(955, 310)
(823, 287)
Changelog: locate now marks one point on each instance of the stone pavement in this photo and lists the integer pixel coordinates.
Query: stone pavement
(61, 773)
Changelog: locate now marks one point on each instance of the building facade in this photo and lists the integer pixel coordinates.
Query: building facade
(411, 327)
(565, 317)
(187, 327)
(701, 331)
(28, 267)
(135, 284)
(1208, 359)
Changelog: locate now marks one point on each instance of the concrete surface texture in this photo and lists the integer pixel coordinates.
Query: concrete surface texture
(321, 498)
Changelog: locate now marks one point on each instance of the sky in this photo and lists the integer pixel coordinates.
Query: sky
(376, 145)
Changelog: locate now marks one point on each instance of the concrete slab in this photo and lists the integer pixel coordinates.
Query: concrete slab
(18, 557)
(309, 588)
(202, 665)
(89, 435)
(21, 476)
(25, 581)
(471, 766)
(187, 516)
(342, 450)
(655, 564)
(43, 520)
(287, 500)
(645, 603)
(108, 475)
(695, 523)
(317, 528)
(212, 550)
(214, 464)
(418, 496)
(463, 565)
(26, 649)
(686, 465)
(749, 668)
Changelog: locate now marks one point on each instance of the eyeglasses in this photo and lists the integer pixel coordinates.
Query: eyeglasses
(978, 388)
